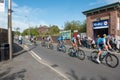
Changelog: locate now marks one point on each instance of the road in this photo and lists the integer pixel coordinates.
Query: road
(74, 68)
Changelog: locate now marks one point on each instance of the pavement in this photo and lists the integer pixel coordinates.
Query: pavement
(24, 66)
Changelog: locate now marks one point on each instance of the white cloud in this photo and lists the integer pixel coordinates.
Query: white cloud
(22, 17)
(14, 4)
(3, 20)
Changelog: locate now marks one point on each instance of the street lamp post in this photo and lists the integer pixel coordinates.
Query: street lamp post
(28, 25)
(10, 28)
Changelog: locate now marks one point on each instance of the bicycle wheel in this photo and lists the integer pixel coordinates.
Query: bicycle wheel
(64, 49)
(43, 44)
(35, 44)
(112, 60)
(94, 55)
(51, 46)
(81, 54)
(70, 51)
(58, 47)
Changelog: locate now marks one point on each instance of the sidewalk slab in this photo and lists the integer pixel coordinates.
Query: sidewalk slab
(25, 67)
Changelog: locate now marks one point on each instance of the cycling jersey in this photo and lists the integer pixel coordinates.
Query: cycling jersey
(49, 38)
(73, 39)
(100, 43)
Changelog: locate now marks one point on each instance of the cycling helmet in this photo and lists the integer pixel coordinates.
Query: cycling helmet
(78, 36)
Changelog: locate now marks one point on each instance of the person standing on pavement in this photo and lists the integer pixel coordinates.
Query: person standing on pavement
(20, 39)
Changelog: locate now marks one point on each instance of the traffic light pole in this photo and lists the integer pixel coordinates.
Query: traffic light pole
(10, 29)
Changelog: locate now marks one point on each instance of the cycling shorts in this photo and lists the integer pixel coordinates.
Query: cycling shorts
(100, 47)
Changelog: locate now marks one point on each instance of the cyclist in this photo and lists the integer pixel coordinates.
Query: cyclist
(101, 44)
(74, 43)
(49, 39)
(78, 40)
(43, 40)
(108, 40)
(61, 41)
(34, 39)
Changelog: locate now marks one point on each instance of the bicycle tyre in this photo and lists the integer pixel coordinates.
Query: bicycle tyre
(109, 60)
(81, 54)
(58, 47)
(51, 46)
(64, 49)
(43, 44)
(94, 55)
(70, 51)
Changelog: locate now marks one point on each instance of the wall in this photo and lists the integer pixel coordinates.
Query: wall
(3, 36)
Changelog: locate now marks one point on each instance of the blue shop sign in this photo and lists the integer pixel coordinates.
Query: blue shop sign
(101, 24)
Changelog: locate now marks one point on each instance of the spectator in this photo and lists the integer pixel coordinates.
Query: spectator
(20, 39)
(93, 44)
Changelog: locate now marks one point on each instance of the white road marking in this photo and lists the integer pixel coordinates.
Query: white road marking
(34, 54)
(39, 59)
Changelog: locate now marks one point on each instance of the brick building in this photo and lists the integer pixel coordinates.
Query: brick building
(103, 20)
(43, 29)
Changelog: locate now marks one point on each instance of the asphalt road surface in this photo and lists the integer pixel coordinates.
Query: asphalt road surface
(74, 68)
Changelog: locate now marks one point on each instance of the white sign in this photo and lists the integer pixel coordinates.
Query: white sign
(75, 30)
(2, 7)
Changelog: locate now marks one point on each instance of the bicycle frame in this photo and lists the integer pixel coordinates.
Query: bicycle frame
(103, 56)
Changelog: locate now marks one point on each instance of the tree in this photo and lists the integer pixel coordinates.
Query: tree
(25, 32)
(34, 32)
(17, 31)
(31, 31)
(75, 25)
(83, 27)
(53, 30)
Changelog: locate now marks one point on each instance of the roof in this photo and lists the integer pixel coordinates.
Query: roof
(101, 8)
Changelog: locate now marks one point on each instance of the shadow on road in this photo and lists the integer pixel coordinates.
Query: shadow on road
(5, 72)
(73, 76)
(6, 75)
(18, 50)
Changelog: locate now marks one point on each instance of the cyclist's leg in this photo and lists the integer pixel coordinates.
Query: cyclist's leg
(76, 47)
(73, 46)
(48, 44)
(99, 53)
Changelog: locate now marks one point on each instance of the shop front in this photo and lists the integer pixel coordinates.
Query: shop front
(103, 20)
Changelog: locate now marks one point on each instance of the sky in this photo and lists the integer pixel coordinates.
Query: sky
(27, 13)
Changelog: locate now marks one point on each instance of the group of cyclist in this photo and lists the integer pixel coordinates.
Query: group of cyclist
(102, 42)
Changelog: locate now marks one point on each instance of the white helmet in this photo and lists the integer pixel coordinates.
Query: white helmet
(78, 36)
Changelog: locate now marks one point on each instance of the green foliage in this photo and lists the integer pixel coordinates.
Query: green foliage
(34, 31)
(31, 31)
(16, 33)
(26, 32)
(53, 30)
(75, 25)
(82, 29)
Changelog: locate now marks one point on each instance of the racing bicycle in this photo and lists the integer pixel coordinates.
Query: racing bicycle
(80, 54)
(110, 59)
